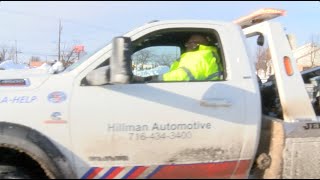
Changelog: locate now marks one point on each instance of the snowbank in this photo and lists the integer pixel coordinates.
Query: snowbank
(9, 64)
(156, 71)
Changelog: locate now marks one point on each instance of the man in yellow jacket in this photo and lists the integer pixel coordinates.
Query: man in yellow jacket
(200, 62)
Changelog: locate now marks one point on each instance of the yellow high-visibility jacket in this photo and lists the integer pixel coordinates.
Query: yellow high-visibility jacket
(202, 64)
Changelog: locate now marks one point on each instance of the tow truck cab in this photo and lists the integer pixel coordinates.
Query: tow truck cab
(113, 128)
(169, 129)
(185, 127)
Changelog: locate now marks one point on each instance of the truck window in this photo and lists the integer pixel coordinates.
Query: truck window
(154, 60)
(156, 53)
(179, 55)
(261, 60)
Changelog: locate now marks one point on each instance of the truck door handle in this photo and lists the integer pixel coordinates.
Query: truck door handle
(215, 103)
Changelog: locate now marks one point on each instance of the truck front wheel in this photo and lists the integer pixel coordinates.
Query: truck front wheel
(12, 172)
(18, 165)
(26, 152)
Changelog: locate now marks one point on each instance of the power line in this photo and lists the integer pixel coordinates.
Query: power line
(37, 54)
(91, 26)
(99, 28)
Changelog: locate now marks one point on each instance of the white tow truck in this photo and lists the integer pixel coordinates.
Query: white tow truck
(91, 121)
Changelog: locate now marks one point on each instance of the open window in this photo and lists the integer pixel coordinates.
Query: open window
(155, 60)
(154, 53)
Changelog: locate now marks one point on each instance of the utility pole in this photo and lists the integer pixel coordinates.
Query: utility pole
(60, 29)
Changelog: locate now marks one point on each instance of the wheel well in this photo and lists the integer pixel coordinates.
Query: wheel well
(36, 146)
(19, 159)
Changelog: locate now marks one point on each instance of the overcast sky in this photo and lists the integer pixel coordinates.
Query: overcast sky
(35, 25)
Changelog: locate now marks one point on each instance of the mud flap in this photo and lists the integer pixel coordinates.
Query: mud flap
(269, 155)
(292, 147)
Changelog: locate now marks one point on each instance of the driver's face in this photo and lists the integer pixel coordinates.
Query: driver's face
(194, 41)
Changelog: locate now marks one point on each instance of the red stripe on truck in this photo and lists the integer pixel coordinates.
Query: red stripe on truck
(208, 170)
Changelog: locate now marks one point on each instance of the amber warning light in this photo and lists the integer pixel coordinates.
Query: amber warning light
(288, 65)
(259, 16)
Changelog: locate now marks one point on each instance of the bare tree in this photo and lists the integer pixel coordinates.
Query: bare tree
(166, 59)
(69, 55)
(312, 53)
(313, 49)
(142, 57)
(6, 53)
(35, 59)
(3, 54)
(263, 57)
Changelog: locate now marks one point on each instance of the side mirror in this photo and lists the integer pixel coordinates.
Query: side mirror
(98, 77)
(260, 40)
(120, 62)
(119, 71)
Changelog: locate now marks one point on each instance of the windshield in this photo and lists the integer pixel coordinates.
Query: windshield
(83, 59)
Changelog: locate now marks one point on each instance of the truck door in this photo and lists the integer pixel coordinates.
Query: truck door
(197, 129)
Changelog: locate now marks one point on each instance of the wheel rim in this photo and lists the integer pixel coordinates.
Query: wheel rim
(12, 172)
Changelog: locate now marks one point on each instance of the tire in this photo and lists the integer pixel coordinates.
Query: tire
(12, 172)
(50, 162)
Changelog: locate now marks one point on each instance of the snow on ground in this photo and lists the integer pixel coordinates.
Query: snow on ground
(44, 66)
(155, 71)
(58, 67)
(55, 68)
(9, 64)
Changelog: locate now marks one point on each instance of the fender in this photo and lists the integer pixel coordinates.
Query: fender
(39, 147)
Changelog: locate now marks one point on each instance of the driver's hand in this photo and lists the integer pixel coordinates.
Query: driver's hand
(144, 79)
(138, 79)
